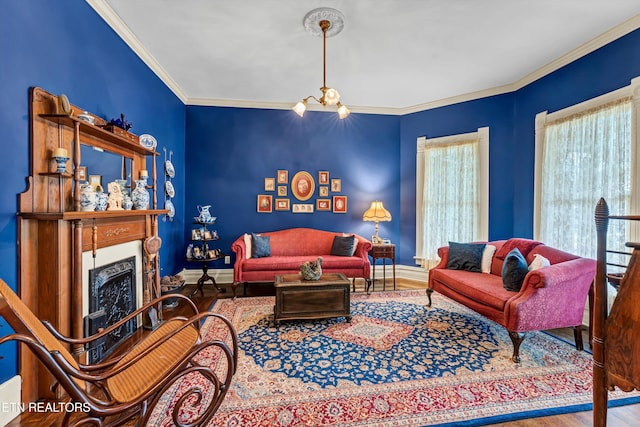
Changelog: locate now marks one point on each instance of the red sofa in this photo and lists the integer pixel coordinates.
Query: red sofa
(550, 297)
(292, 247)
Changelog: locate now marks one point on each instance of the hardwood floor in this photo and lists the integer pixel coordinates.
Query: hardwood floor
(624, 416)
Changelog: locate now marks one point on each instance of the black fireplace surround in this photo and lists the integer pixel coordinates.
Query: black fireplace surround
(112, 296)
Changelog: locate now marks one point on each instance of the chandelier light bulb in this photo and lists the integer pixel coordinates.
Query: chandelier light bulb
(300, 108)
(343, 111)
(331, 96)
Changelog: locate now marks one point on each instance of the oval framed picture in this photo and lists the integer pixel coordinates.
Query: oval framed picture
(303, 186)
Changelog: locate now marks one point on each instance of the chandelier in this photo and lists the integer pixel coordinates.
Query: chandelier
(327, 22)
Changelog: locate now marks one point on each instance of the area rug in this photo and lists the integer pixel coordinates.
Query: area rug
(397, 363)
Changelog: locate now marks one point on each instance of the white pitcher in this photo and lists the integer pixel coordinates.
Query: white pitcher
(205, 215)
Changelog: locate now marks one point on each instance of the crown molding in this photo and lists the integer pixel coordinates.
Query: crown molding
(592, 45)
(113, 20)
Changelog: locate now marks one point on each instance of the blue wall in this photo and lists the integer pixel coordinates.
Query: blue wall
(231, 150)
(65, 47)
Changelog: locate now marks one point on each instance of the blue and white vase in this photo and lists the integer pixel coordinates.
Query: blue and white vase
(123, 186)
(127, 203)
(101, 203)
(88, 198)
(140, 195)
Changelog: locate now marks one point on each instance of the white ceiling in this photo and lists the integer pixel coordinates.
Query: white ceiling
(393, 56)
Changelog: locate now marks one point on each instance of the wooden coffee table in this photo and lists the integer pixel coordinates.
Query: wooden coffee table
(297, 298)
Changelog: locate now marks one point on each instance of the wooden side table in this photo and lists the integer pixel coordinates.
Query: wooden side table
(384, 252)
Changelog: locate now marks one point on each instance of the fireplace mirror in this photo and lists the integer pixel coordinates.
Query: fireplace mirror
(109, 166)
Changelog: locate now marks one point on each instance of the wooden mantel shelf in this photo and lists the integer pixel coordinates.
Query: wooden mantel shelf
(98, 132)
(74, 215)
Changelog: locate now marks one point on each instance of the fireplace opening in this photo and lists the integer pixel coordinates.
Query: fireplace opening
(112, 296)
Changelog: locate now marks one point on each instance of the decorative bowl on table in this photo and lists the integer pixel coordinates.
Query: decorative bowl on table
(312, 270)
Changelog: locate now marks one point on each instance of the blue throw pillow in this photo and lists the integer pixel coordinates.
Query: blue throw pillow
(344, 245)
(514, 270)
(261, 246)
(465, 256)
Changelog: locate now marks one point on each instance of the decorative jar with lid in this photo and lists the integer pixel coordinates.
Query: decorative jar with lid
(140, 195)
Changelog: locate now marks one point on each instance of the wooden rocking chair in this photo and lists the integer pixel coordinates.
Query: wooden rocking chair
(119, 389)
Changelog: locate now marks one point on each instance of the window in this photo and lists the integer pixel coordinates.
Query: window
(583, 153)
(452, 186)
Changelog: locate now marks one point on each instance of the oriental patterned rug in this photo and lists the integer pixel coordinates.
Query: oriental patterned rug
(397, 363)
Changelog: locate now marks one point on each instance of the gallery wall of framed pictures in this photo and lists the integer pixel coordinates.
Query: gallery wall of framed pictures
(302, 193)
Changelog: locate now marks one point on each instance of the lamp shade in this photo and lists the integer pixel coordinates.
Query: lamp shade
(376, 212)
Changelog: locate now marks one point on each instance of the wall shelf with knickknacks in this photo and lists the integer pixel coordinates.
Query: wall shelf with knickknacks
(169, 191)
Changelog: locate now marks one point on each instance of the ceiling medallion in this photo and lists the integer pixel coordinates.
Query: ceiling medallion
(312, 21)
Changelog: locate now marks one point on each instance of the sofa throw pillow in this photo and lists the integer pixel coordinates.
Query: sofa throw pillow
(344, 245)
(539, 262)
(487, 258)
(261, 246)
(247, 245)
(524, 246)
(514, 270)
(465, 256)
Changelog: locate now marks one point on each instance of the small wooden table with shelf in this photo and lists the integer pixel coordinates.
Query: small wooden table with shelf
(297, 298)
(384, 252)
(201, 252)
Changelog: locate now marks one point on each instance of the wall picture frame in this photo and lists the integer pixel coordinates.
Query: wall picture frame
(323, 204)
(323, 191)
(340, 204)
(265, 203)
(302, 208)
(82, 173)
(283, 204)
(336, 185)
(269, 184)
(303, 186)
(282, 176)
(323, 178)
(282, 191)
(95, 181)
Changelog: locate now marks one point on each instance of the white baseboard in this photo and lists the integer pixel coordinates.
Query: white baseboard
(225, 275)
(10, 392)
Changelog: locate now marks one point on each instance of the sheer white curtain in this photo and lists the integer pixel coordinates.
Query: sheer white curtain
(453, 193)
(584, 156)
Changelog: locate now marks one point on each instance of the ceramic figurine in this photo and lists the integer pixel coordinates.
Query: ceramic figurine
(114, 202)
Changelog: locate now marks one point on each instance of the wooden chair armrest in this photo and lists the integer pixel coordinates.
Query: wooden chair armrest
(192, 322)
(121, 322)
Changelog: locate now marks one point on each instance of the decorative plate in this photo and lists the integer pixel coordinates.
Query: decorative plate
(168, 169)
(168, 205)
(168, 188)
(148, 141)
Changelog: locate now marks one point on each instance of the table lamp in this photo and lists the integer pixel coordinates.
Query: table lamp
(376, 213)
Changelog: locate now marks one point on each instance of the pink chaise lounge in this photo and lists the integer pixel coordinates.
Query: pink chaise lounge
(550, 297)
(292, 247)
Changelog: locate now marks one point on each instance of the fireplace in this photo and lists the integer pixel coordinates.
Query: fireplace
(112, 297)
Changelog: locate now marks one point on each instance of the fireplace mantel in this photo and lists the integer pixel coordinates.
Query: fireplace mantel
(53, 233)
